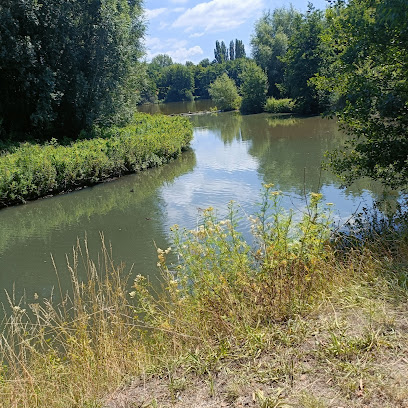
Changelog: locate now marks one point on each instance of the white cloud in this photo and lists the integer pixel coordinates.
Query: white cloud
(176, 49)
(218, 15)
(150, 14)
(183, 54)
(196, 35)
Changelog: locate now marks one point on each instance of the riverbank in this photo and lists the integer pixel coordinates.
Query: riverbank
(294, 319)
(32, 171)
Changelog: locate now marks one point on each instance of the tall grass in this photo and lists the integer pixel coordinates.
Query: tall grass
(33, 170)
(216, 301)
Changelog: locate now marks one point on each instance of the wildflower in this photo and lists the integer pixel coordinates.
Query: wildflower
(329, 204)
(270, 185)
(276, 193)
(316, 196)
(132, 294)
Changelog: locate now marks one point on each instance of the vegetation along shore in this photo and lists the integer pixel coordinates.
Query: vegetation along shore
(296, 313)
(31, 170)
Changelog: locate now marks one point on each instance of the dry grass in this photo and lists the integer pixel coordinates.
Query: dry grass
(289, 321)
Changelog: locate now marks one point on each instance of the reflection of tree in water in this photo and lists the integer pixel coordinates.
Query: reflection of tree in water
(290, 151)
(129, 211)
(227, 125)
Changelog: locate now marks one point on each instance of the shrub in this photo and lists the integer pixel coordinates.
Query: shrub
(224, 93)
(273, 105)
(33, 170)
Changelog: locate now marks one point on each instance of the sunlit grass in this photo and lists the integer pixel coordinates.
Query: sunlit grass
(265, 319)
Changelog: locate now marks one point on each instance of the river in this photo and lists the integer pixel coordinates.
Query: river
(231, 157)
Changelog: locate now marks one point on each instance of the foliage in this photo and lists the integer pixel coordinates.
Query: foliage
(32, 171)
(236, 50)
(303, 60)
(177, 82)
(369, 80)
(220, 52)
(226, 305)
(270, 43)
(273, 105)
(224, 93)
(65, 66)
(253, 89)
(162, 61)
(239, 49)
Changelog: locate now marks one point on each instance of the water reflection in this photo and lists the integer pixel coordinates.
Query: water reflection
(129, 211)
(232, 157)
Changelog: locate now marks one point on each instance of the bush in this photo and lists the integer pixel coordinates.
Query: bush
(224, 93)
(253, 89)
(33, 170)
(273, 105)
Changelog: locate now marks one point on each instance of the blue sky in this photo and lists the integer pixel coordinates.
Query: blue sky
(187, 29)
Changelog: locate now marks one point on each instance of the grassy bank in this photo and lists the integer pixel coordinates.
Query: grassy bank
(294, 319)
(32, 171)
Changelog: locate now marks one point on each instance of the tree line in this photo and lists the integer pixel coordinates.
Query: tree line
(68, 66)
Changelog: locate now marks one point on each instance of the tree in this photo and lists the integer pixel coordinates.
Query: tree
(270, 43)
(205, 62)
(369, 78)
(178, 80)
(162, 61)
(232, 50)
(220, 52)
(239, 49)
(253, 89)
(65, 66)
(303, 61)
(224, 93)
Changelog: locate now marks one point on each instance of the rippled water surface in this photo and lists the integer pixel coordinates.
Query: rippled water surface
(231, 157)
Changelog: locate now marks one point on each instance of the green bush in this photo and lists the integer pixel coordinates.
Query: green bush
(33, 170)
(224, 93)
(273, 105)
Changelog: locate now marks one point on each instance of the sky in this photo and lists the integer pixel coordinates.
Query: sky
(187, 29)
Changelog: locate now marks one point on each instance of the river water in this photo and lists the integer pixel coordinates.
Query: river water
(231, 157)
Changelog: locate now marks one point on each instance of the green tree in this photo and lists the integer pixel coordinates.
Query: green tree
(67, 65)
(205, 62)
(162, 61)
(220, 52)
(369, 79)
(224, 93)
(232, 50)
(303, 60)
(253, 89)
(239, 49)
(178, 80)
(270, 43)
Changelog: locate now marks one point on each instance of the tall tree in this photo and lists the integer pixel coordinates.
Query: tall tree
(270, 43)
(220, 52)
(253, 89)
(239, 49)
(67, 65)
(232, 50)
(303, 61)
(369, 77)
